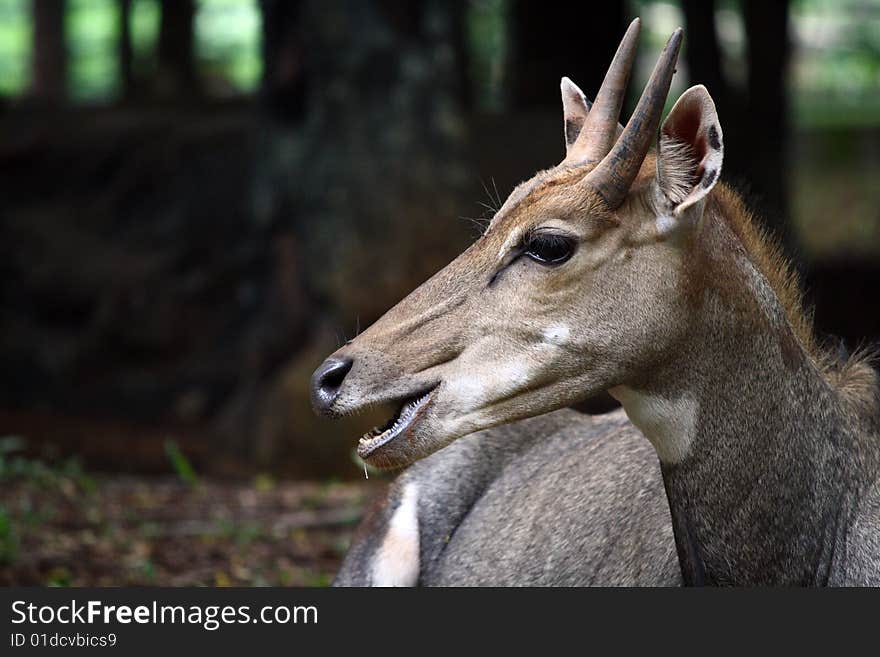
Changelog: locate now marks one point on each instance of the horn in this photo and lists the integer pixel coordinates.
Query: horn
(600, 127)
(614, 175)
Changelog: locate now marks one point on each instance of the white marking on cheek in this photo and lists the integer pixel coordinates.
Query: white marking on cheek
(557, 334)
(469, 389)
(397, 561)
(670, 424)
(494, 380)
(512, 375)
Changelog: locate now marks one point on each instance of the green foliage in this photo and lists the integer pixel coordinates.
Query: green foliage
(66, 474)
(487, 41)
(92, 44)
(182, 466)
(835, 72)
(16, 39)
(221, 533)
(65, 478)
(8, 539)
(242, 534)
(73, 470)
(59, 577)
(11, 444)
(149, 571)
(144, 29)
(227, 41)
(228, 36)
(318, 579)
(264, 482)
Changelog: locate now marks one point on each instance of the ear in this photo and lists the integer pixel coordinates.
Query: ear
(575, 108)
(691, 152)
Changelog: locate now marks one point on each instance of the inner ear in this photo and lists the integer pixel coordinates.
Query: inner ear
(575, 108)
(691, 149)
(685, 127)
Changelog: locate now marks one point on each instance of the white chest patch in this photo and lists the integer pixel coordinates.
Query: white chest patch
(556, 335)
(670, 424)
(397, 560)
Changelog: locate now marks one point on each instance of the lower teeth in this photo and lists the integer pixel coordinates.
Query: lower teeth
(405, 413)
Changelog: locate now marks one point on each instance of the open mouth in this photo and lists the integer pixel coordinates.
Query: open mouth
(407, 415)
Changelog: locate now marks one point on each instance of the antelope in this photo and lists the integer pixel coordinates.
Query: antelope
(629, 269)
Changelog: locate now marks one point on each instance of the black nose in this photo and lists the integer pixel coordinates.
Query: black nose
(327, 380)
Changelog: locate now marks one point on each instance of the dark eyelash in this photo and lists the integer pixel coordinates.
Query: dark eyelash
(547, 237)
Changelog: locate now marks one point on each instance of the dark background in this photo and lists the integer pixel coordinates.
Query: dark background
(199, 200)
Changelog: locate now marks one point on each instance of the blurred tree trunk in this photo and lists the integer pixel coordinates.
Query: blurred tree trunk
(49, 53)
(552, 39)
(126, 55)
(768, 52)
(703, 52)
(176, 57)
(754, 119)
(283, 88)
(461, 53)
(703, 57)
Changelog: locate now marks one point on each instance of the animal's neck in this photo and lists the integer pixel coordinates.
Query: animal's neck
(763, 465)
(762, 492)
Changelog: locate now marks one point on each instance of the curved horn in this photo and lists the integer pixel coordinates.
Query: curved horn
(614, 175)
(600, 127)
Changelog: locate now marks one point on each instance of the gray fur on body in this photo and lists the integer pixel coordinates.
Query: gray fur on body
(563, 499)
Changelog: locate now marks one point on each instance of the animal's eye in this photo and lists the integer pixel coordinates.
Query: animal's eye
(548, 248)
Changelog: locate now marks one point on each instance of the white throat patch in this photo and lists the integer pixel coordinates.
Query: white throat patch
(669, 424)
(397, 560)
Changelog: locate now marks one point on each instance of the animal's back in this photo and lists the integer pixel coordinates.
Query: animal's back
(563, 499)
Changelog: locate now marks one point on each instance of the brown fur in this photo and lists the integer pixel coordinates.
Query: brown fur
(854, 378)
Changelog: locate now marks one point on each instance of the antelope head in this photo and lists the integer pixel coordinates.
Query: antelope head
(575, 287)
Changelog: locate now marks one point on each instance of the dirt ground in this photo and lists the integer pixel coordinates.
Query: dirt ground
(62, 527)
